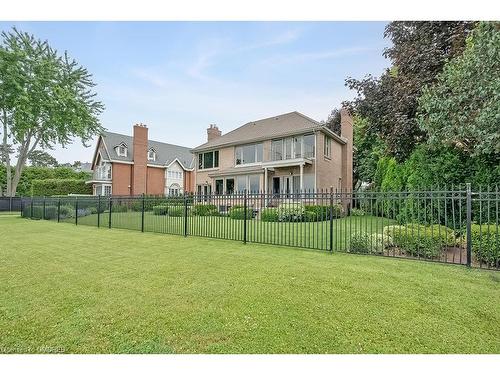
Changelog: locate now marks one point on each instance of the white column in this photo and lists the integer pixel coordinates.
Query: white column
(301, 177)
(265, 180)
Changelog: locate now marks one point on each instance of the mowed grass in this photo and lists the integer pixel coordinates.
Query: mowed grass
(86, 290)
(314, 235)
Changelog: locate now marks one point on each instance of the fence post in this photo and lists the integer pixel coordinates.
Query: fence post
(331, 219)
(185, 216)
(110, 208)
(59, 210)
(31, 213)
(10, 204)
(98, 210)
(142, 215)
(22, 207)
(76, 211)
(245, 217)
(468, 225)
(43, 212)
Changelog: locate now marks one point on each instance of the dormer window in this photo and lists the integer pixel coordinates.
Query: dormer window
(121, 150)
(152, 154)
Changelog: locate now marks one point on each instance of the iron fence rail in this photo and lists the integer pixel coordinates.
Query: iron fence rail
(450, 226)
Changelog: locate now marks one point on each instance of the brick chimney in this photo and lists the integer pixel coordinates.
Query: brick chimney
(346, 130)
(213, 132)
(140, 158)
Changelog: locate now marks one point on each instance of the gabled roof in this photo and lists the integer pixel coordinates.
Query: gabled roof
(165, 152)
(268, 128)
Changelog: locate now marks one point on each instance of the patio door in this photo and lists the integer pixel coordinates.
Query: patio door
(287, 185)
(276, 185)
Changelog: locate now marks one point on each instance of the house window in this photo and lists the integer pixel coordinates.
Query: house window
(308, 146)
(152, 155)
(297, 147)
(254, 183)
(174, 189)
(328, 147)
(241, 182)
(248, 154)
(293, 148)
(230, 185)
(208, 160)
(121, 150)
(107, 189)
(277, 149)
(219, 186)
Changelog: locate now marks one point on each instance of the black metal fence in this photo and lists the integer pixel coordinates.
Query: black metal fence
(11, 204)
(450, 226)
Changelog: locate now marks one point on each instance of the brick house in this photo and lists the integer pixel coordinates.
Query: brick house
(287, 153)
(124, 165)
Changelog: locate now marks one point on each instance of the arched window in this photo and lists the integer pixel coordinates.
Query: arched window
(174, 189)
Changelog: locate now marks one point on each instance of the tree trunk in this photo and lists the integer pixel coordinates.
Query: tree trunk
(7, 157)
(21, 161)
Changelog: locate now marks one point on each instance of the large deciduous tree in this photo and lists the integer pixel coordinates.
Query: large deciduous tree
(463, 108)
(45, 99)
(39, 158)
(389, 103)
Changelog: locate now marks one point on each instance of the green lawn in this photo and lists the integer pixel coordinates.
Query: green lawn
(314, 235)
(88, 290)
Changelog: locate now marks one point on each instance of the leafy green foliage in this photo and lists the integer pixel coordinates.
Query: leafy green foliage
(239, 213)
(269, 214)
(160, 209)
(365, 243)
(45, 99)
(119, 207)
(176, 211)
(204, 210)
(486, 243)
(463, 108)
(38, 158)
(52, 187)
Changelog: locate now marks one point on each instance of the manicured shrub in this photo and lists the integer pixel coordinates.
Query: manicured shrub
(269, 214)
(486, 243)
(177, 211)
(204, 210)
(322, 212)
(66, 211)
(119, 208)
(161, 209)
(83, 212)
(292, 211)
(52, 187)
(364, 243)
(50, 212)
(357, 212)
(417, 240)
(239, 213)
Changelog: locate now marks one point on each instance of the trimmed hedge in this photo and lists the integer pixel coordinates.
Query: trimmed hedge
(161, 209)
(204, 210)
(420, 240)
(176, 211)
(269, 214)
(59, 187)
(486, 243)
(364, 243)
(239, 213)
(119, 208)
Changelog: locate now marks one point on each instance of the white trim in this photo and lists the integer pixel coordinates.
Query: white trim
(155, 166)
(286, 163)
(178, 161)
(121, 161)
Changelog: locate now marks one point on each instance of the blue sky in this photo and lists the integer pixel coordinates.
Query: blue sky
(179, 77)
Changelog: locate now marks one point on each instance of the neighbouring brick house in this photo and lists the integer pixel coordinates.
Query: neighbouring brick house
(288, 153)
(124, 165)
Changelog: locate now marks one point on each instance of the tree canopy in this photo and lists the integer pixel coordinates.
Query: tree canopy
(463, 108)
(46, 98)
